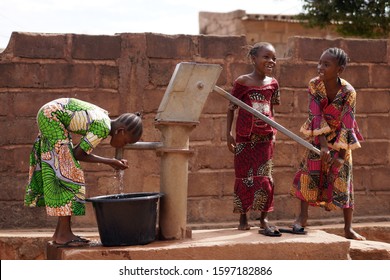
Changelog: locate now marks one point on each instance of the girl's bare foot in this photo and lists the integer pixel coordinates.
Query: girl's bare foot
(243, 223)
(351, 234)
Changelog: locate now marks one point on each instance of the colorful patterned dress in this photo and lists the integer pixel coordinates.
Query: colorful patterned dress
(328, 188)
(254, 187)
(56, 180)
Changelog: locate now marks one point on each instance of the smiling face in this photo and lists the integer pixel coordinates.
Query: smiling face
(328, 68)
(265, 60)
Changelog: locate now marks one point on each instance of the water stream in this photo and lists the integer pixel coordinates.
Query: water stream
(120, 174)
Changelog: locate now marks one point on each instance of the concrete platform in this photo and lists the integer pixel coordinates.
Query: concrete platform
(321, 243)
(219, 244)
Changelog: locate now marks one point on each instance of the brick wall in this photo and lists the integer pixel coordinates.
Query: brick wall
(130, 72)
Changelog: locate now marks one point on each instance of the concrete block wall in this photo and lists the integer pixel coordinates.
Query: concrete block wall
(130, 72)
(275, 29)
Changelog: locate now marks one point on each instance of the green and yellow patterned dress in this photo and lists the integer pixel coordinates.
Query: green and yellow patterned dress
(56, 180)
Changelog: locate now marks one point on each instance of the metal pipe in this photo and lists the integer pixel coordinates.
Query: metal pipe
(144, 146)
(272, 123)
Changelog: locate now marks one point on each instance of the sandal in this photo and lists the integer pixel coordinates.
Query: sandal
(270, 231)
(296, 229)
(83, 239)
(71, 243)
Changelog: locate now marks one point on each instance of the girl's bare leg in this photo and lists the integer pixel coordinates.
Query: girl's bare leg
(243, 222)
(303, 214)
(263, 220)
(349, 233)
(63, 232)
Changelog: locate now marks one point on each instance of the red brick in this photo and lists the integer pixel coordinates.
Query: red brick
(372, 153)
(152, 99)
(15, 135)
(160, 73)
(108, 77)
(378, 127)
(15, 184)
(302, 97)
(222, 46)
(4, 104)
(205, 184)
(285, 207)
(380, 76)
(35, 45)
(222, 158)
(380, 176)
(6, 164)
(162, 46)
(96, 47)
(211, 210)
(283, 178)
(25, 217)
(362, 122)
(370, 204)
(223, 129)
(20, 75)
(357, 76)
(287, 105)
(372, 101)
(296, 75)
(361, 178)
(21, 159)
(310, 49)
(206, 130)
(361, 51)
(62, 75)
(215, 104)
(286, 154)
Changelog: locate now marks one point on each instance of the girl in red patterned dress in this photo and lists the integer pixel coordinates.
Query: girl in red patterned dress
(254, 142)
(326, 180)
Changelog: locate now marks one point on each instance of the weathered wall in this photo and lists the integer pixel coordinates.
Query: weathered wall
(130, 72)
(275, 29)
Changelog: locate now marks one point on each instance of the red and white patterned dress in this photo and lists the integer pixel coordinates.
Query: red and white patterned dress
(254, 186)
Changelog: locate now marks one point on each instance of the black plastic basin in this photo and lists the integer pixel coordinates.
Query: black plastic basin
(126, 219)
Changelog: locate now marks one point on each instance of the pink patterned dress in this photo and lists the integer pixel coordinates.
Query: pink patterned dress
(332, 188)
(254, 187)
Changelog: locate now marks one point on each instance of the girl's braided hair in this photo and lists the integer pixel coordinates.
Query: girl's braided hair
(253, 50)
(341, 56)
(132, 123)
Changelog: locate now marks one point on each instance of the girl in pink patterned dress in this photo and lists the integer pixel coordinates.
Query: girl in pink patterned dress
(326, 180)
(254, 142)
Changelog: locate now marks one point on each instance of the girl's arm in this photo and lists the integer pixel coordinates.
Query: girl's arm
(231, 143)
(325, 154)
(339, 161)
(81, 155)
